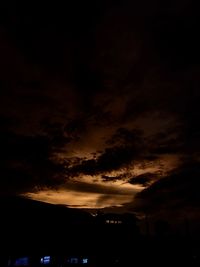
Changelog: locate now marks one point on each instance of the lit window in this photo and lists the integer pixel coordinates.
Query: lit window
(45, 260)
(85, 261)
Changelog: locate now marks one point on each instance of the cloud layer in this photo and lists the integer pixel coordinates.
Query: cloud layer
(98, 99)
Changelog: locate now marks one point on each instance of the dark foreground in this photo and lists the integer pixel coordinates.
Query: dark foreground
(144, 252)
(43, 235)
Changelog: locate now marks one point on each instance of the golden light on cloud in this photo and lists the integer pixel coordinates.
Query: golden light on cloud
(79, 199)
(97, 191)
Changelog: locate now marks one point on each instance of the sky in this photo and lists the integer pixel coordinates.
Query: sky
(99, 104)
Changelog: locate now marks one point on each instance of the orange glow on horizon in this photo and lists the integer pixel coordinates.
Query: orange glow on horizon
(78, 199)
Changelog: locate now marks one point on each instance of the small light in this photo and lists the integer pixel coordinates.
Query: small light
(45, 260)
(85, 261)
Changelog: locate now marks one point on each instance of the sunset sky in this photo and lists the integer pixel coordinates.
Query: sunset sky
(99, 103)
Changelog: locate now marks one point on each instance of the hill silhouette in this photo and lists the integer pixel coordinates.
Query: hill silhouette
(28, 225)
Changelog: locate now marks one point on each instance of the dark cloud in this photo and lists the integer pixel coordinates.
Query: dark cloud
(26, 164)
(168, 142)
(97, 87)
(144, 179)
(111, 159)
(74, 127)
(107, 178)
(177, 191)
(124, 136)
(123, 147)
(56, 134)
